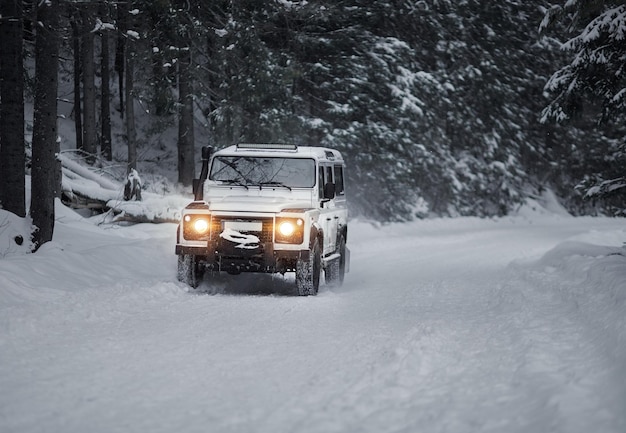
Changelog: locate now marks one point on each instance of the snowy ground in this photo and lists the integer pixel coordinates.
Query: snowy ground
(447, 325)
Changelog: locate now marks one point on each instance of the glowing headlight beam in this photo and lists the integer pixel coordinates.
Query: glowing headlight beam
(287, 228)
(201, 226)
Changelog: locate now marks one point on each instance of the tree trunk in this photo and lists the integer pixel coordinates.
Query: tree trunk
(160, 85)
(105, 102)
(12, 159)
(130, 112)
(89, 87)
(78, 110)
(46, 173)
(30, 19)
(120, 50)
(186, 164)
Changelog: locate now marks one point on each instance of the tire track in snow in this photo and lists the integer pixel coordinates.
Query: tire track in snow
(431, 332)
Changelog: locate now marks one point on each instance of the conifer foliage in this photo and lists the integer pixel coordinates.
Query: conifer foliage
(437, 105)
(597, 69)
(593, 84)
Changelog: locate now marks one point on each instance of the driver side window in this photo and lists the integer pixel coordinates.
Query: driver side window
(320, 183)
(325, 177)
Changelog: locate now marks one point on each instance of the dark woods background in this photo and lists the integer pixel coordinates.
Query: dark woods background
(436, 104)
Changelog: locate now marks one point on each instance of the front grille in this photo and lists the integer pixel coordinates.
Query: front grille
(266, 235)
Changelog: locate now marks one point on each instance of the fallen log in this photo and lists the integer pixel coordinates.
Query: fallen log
(82, 188)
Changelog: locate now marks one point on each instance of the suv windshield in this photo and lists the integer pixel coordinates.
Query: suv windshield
(271, 171)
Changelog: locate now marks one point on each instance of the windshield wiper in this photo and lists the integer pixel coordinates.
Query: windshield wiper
(234, 182)
(274, 184)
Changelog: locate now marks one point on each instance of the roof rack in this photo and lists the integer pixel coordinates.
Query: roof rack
(267, 146)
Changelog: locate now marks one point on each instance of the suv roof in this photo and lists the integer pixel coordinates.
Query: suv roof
(284, 150)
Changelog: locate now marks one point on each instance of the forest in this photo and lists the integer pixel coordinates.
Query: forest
(440, 107)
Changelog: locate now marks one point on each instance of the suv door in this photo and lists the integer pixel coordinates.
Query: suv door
(329, 218)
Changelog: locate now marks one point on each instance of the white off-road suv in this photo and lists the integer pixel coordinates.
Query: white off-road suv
(271, 208)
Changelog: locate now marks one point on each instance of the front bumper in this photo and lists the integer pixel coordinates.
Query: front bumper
(220, 256)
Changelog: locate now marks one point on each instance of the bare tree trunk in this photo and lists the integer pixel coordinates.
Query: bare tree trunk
(130, 111)
(120, 50)
(30, 18)
(12, 159)
(46, 173)
(105, 102)
(186, 165)
(162, 97)
(78, 110)
(89, 87)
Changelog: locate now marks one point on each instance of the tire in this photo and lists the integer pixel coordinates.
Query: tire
(336, 270)
(308, 272)
(188, 270)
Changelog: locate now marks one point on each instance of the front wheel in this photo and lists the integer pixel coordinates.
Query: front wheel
(308, 272)
(188, 270)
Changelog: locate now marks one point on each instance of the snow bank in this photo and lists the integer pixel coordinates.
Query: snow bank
(546, 205)
(592, 280)
(14, 234)
(512, 324)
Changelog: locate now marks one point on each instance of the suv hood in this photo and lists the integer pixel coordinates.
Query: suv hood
(255, 204)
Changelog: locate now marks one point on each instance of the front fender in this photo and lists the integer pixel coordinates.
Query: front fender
(317, 232)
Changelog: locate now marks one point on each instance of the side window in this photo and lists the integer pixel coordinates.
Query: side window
(325, 177)
(328, 176)
(320, 182)
(339, 180)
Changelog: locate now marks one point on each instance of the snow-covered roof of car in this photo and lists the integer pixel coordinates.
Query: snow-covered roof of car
(282, 150)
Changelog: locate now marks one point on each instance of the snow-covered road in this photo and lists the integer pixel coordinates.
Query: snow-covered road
(446, 325)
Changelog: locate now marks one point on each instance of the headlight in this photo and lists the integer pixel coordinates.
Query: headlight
(201, 226)
(196, 226)
(286, 228)
(289, 230)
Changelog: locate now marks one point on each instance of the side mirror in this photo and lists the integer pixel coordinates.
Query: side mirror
(329, 191)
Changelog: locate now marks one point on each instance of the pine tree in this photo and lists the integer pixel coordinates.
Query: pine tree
(127, 13)
(597, 67)
(105, 91)
(78, 105)
(46, 170)
(186, 163)
(593, 82)
(12, 159)
(87, 55)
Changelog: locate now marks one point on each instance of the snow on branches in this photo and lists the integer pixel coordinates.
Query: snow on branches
(599, 59)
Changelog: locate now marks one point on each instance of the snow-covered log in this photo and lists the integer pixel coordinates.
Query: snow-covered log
(153, 209)
(82, 188)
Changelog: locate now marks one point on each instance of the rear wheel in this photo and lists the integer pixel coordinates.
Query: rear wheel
(308, 272)
(188, 270)
(336, 270)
